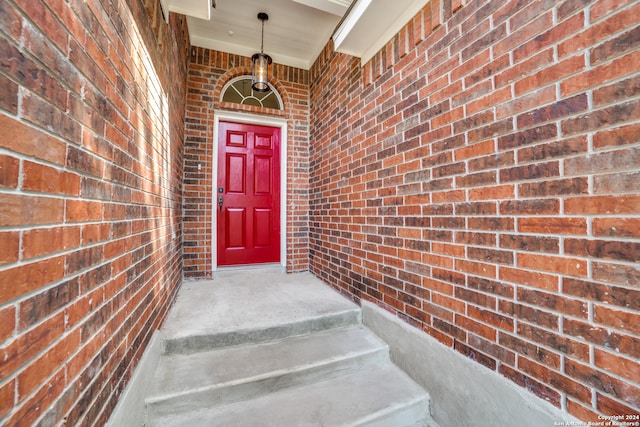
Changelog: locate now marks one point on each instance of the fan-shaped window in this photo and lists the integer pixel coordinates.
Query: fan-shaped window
(239, 91)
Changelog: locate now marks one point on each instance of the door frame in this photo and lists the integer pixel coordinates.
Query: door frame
(252, 119)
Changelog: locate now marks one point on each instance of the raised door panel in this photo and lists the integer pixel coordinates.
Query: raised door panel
(236, 224)
(262, 227)
(236, 178)
(263, 173)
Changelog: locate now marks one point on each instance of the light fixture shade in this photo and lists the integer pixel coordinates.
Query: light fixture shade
(260, 72)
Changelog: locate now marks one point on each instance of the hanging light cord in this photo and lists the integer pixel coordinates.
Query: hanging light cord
(262, 38)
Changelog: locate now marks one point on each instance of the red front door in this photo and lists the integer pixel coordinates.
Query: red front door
(248, 194)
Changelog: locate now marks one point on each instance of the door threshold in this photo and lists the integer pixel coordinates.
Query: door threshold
(244, 267)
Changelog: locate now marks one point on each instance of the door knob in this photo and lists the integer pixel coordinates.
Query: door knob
(220, 201)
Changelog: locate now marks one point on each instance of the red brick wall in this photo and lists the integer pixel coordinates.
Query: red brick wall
(90, 193)
(208, 72)
(480, 177)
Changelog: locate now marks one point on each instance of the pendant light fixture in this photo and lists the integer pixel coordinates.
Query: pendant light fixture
(260, 63)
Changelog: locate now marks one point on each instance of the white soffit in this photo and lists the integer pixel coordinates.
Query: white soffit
(294, 35)
(370, 24)
(335, 7)
(196, 8)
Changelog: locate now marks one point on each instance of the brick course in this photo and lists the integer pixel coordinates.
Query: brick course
(478, 178)
(90, 200)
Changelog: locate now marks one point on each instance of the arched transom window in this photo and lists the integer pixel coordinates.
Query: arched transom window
(239, 91)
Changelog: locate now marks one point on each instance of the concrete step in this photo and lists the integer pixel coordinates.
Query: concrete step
(378, 395)
(185, 383)
(213, 340)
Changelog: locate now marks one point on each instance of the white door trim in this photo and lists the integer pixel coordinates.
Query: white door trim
(277, 122)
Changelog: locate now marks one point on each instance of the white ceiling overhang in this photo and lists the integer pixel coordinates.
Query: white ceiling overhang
(370, 24)
(197, 8)
(297, 30)
(334, 7)
(294, 35)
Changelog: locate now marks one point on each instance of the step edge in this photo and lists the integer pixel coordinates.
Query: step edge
(381, 351)
(366, 342)
(415, 401)
(380, 355)
(415, 397)
(372, 338)
(350, 317)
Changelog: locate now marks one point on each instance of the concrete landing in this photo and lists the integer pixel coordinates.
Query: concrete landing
(252, 306)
